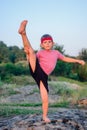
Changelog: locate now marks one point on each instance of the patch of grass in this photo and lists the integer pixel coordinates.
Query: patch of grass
(18, 109)
(61, 86)
(8, 111)
(22, 80)
(82, 93)
(60, 104)
(60, 78)
(12, 92)
(1, 83)
(35, 90)
(8, 89)
(22, 104)
(68, 91)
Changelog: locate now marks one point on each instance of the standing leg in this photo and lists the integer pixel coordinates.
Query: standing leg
(44, 97)
(31, 54)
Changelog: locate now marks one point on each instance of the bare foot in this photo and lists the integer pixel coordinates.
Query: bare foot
(46, 120)
(22, 27)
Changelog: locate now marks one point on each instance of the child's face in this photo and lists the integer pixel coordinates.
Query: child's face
(47, 44)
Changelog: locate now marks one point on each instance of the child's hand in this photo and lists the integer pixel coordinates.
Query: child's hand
(82, 62)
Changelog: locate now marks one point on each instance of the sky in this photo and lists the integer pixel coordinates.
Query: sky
(64, 20)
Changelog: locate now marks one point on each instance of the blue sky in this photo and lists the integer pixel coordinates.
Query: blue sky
(65, 20)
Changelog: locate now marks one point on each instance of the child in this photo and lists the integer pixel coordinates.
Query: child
(43, 63)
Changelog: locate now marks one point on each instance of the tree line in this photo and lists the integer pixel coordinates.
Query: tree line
(11, 53)
(12, 63)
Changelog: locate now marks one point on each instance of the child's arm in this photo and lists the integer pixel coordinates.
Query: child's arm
(72, 60)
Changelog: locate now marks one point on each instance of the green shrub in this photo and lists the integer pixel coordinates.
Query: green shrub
(82, 73)
(9, 69)
(62, 69)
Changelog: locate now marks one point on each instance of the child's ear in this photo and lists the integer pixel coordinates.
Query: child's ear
(53, 43)
(41, 45)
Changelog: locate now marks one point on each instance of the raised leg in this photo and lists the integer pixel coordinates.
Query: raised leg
(31, 54)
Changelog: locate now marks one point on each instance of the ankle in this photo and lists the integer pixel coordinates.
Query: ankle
(46, 119)
(20, 31)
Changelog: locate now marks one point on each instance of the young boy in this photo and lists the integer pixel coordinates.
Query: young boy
(43, 63)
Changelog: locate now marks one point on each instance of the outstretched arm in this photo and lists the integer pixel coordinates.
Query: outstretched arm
(72, 60)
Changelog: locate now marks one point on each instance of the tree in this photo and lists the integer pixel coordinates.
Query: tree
(11, 53)
(3, 52)
(16, 54)
(62, 68)
(12, 57)
(82, 72)
(83, 54)
(59, 48)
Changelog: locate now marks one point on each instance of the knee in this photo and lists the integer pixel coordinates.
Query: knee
(31, 52)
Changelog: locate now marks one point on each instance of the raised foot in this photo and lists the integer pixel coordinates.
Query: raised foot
(22, 27)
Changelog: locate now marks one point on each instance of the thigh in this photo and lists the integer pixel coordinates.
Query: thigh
(32, 61)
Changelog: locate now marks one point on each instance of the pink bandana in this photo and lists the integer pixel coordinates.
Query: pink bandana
(46, 38)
